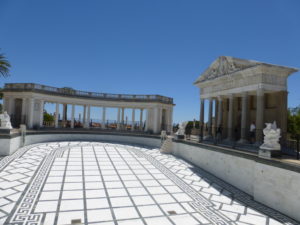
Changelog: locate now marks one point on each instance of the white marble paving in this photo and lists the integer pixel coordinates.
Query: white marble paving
(102, 183)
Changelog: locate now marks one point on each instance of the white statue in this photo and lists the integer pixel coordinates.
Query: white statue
(5, 121)
(271, 139)
(181, 129)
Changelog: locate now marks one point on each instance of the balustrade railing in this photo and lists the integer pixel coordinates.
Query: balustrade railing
(73, 92)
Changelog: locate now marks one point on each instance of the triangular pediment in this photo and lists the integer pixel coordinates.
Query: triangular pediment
(225, 65)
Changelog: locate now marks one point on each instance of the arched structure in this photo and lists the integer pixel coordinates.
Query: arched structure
(24, 102)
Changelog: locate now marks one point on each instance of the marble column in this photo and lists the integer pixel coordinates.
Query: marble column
(72, 116)
(210, 118)
(30, 113)
(84, 115)
(10, 106)
(201, 121)
(244, 118)
(156, 120)
(56, 115)
(147, 120)
(65, 109)
(220, 114)
(283, 109)
(88, 120)
(118, 119)
(171, 120)
(141, 119)
(216, 117)
(103, 117)
(260, 105)
(133, 118)
(5, 102)
(23, 113)
(230, 118)
(41, 113)
(122, 118)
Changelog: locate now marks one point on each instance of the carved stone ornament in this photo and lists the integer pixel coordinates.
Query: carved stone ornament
(271, 138)
(5, 121)
(225, 65)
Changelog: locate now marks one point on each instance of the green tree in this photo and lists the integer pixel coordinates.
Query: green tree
(4, 71)
(190, 125)
(4, 66)
(48, 117)
(294, 121)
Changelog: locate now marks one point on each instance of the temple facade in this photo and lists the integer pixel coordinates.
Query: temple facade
(241, 92)
(25, 102)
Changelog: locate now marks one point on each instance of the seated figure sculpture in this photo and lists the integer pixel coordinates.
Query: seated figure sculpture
(5, 121)
(271, 138)
(181, 129)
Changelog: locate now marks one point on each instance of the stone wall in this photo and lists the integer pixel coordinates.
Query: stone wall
(268, 183)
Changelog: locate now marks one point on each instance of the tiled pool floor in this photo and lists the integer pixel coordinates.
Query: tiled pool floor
(103, 183)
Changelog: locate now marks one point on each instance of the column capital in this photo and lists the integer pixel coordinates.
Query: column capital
(260, 92)
(220, 98)
(230, 95)
(245, 94)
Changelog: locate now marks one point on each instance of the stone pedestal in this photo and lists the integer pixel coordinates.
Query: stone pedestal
(167, 145)
(5, 131)
(264, 153)
(179, 137)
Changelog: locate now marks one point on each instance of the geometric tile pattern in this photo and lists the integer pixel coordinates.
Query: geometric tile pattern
(103, 183)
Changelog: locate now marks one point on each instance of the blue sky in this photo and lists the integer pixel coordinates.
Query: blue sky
(145, 47)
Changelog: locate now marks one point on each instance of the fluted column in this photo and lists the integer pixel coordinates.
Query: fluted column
(41, 113)
(72, 116)
(56, 115)
(230, 118)
(260, 105)
(201, 121)
(133, 117)
(103, 117)
(244, 118)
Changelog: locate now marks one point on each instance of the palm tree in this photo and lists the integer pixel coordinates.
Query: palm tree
(4, 66)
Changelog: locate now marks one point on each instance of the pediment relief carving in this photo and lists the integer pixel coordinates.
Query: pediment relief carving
(225, 65)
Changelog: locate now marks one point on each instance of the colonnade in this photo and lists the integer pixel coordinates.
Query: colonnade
(227, 113)
(32, 114)
(87, 116)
